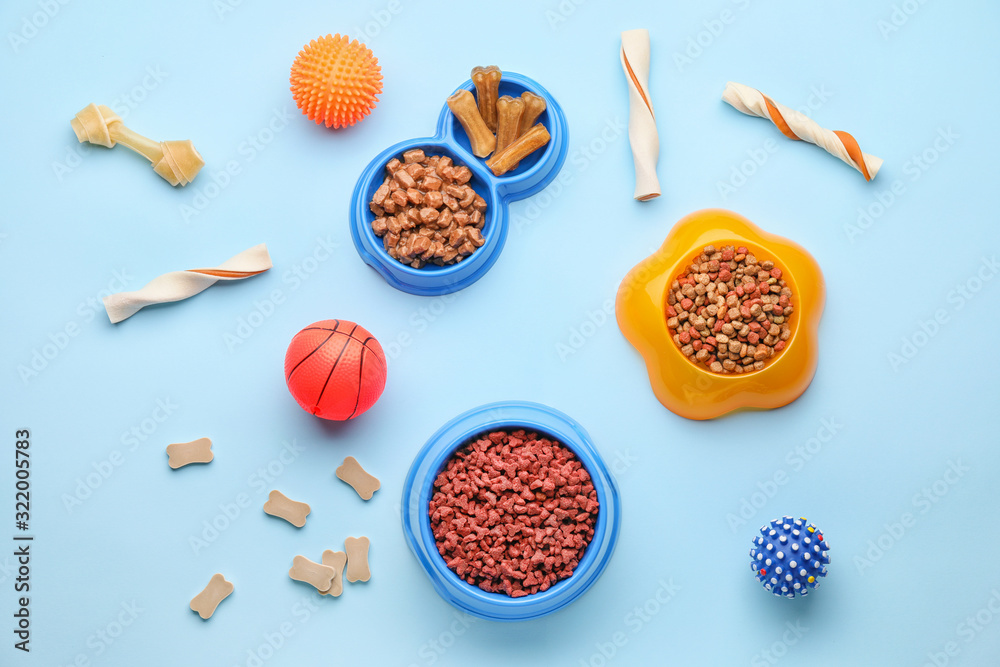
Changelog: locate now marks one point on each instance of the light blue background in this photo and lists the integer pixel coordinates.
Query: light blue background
(69, 223)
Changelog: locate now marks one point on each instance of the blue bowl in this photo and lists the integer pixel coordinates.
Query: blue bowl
(534, 173)
(419, 486)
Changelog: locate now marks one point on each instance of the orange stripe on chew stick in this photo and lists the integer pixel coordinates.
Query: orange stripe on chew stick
(778, 119)
(851, 144)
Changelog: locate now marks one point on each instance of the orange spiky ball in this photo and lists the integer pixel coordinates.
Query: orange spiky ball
(335, 81)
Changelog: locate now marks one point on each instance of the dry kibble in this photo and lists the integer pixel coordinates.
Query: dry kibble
(729, 310)
(426, 211)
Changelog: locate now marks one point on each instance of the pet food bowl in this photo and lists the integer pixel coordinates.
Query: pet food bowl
(533, 173)
(691, 390)
(419, 486)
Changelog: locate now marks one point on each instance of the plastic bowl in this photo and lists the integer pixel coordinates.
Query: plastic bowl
(691, 390)
(534, 173)
(418, 489)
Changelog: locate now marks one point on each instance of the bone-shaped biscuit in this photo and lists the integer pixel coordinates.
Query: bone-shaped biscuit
(481, 138)
(357, 559)
(281, 506)
(524, 146)
(509, 111)
(534, 105)
(183, 453)
(205, 603)
(487, 82)
(176, 161)
(315, 574)
(351, 472)
(337, 560)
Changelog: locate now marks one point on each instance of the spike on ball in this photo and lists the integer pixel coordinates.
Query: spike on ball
(335, 81)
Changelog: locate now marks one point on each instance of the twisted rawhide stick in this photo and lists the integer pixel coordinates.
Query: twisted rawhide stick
(183, 284)
(641, 119)
(796, 126)
(176, 161)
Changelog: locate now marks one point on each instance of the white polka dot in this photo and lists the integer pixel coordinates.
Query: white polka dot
(803, 572)
(780, 555)
(795, 547)
(777, 570)
(788, 577)
(806, 556)
(768, 562)
(793, 565)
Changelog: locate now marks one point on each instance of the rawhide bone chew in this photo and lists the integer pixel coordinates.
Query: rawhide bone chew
(357, 559)
(184, 453)
(798, 126)
(524, 146)
(351, 472)
(509, 111)
(205, 603)
(337, 560)
(642, 134)
(176, 161)
(534, 105)
(481, 139)
(283, 507)
(179, 285)
(317, 575)
(487, 82)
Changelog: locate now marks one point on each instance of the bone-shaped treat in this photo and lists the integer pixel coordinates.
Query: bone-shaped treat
(642, 134)
(351, 472)
(281, 506)
(509, 111)
(315, 574)
(337, 560)
(205, 603)
(525, 145)
(534, 105)
(176, 161)
(481, 139)
(183, 453)
(796, 125)
(357, 559)
(487, 82)
(179, 285)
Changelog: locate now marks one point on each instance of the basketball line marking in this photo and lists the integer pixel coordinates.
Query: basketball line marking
(361, 375)
(309, 355)
(342, 350)
(363, 342)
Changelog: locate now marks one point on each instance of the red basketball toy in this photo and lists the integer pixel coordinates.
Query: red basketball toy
(335, 369)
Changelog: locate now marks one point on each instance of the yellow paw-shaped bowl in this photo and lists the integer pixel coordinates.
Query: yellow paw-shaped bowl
(691, 390)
